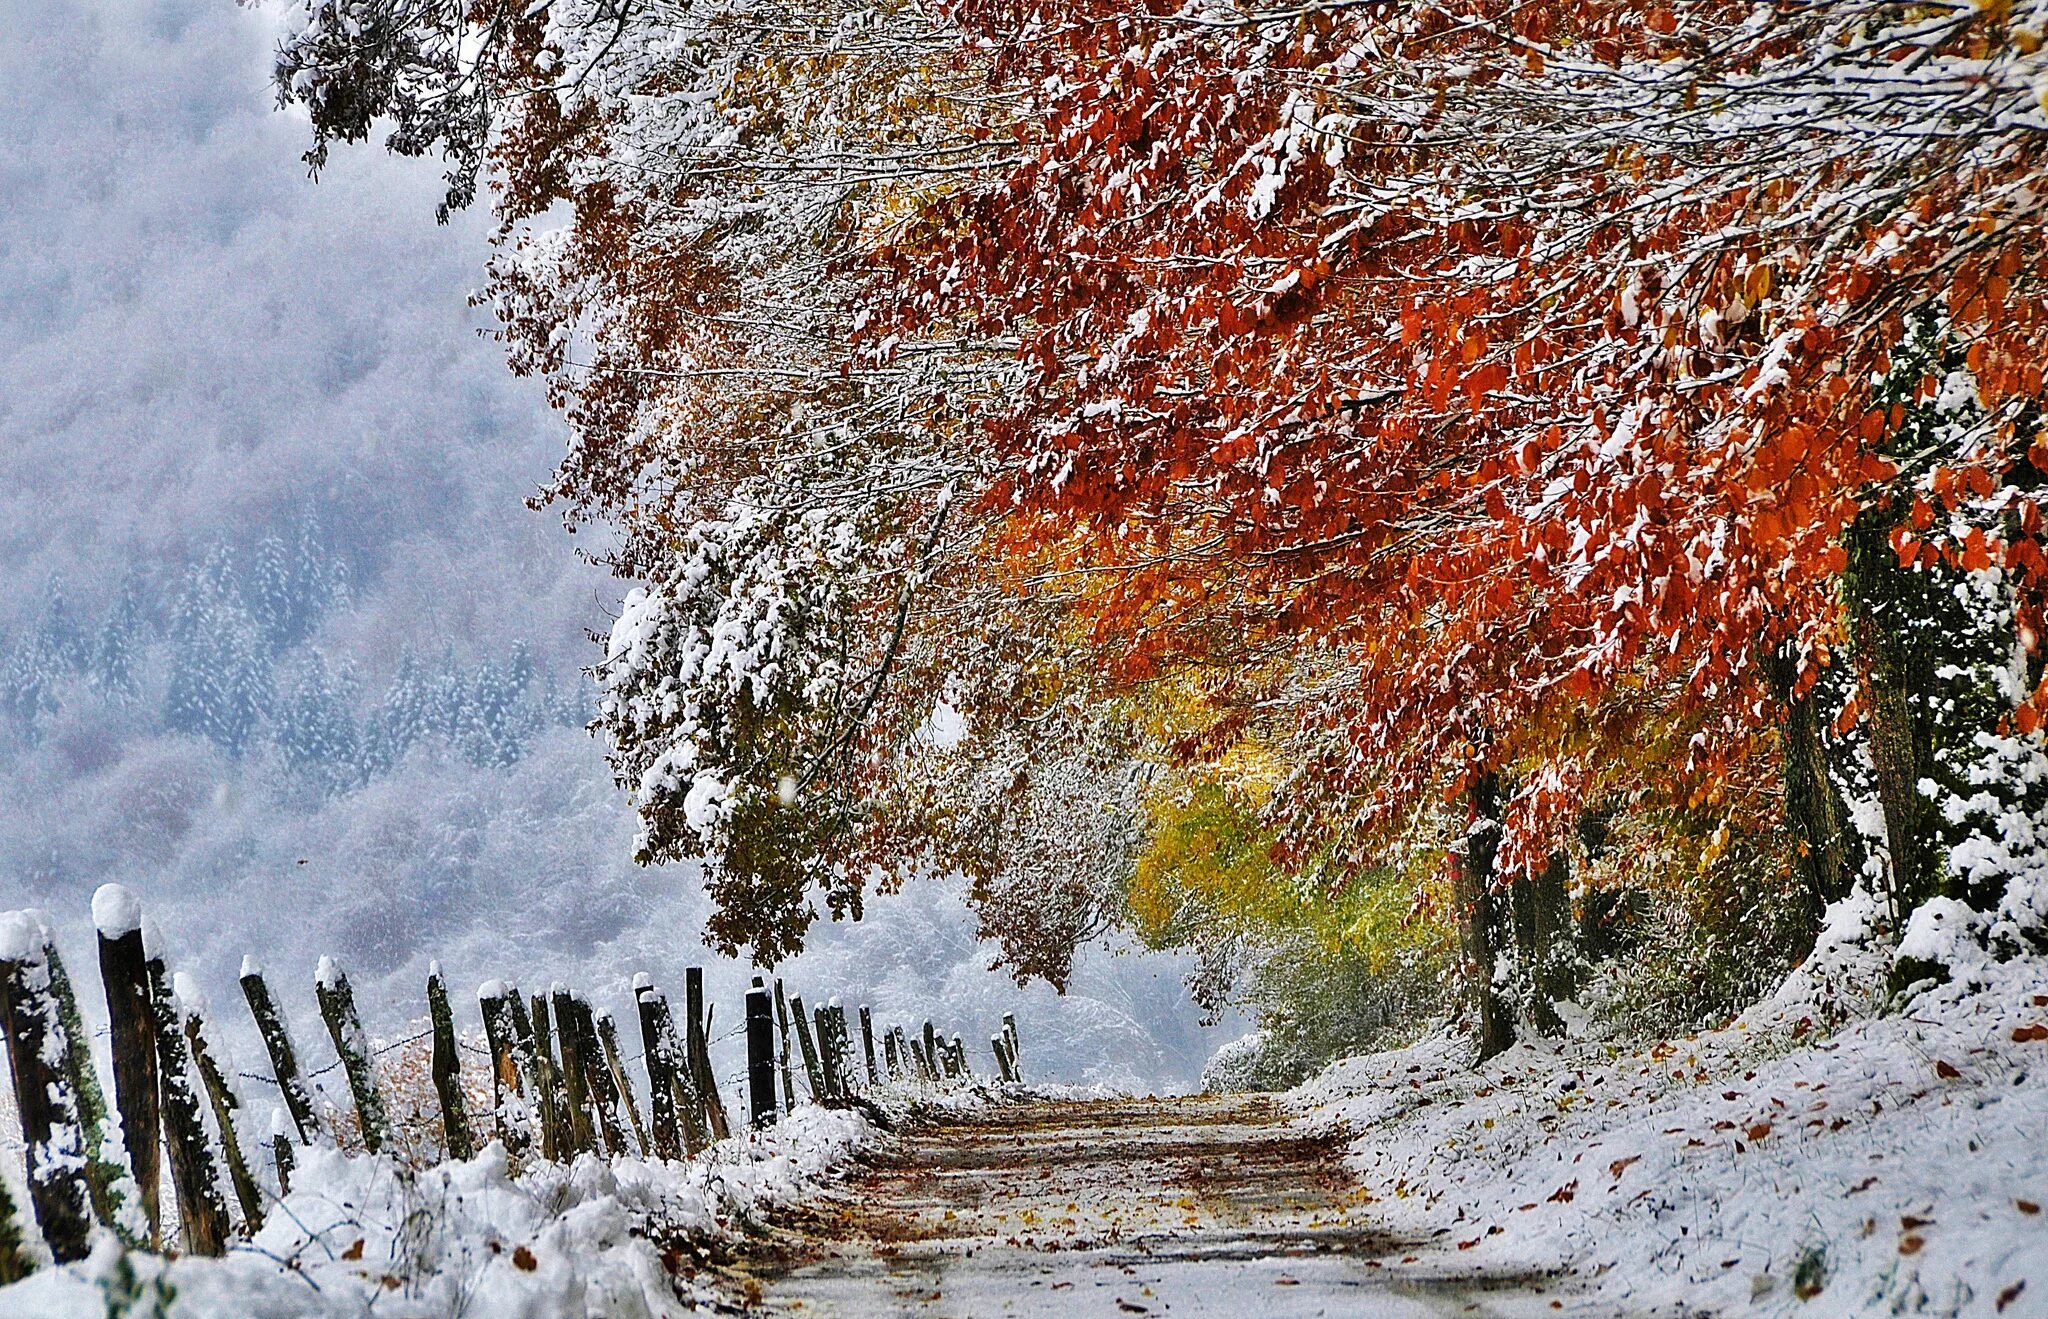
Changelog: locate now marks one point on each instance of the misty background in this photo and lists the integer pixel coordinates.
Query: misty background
(280, 646)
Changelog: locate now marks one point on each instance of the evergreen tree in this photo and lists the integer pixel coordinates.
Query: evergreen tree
(116, 650)
(219, 684)
(316, 730)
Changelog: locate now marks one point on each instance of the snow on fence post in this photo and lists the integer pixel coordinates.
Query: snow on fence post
(867, 1045)
(15, 1263)
(608, 1037)
(813, 1073)
(511, 1120)
(117, 916)
(277, 1042)
(689, 1105)
(999, 1047)
(1010, 1040)
(842, 1047)
(597, 1076)
(43, 1096)
(338, 1010)
(455, 1135)
(555, 1141)
(782, 1053)
(202, 1208)
(890, 1058)
(828, 1066)
(930, 1057)
(918, 1062)
(114, 1200)
(699, 1042)
(760, 1054)
(661, 1081)
(577, 1127)
(960, 1064)
(529, 1069)
(222, 1099)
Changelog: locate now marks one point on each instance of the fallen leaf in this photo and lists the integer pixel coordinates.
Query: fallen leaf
(1564, 1194)
(355, 1251)
(1910, 1223)
(1911, 1245)
(1131, 1307)
(2028, 1034)
(1759, 1131)
(1284, 1281)
(523, 1260)
(2011, 1294)
(1620, 1166)
(1945, 1070)
(2027, 1206)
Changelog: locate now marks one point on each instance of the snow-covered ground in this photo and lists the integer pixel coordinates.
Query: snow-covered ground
(360, 1235)
(1895, 1164)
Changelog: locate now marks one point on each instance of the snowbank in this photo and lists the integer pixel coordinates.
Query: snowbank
(359, 1235)
(1899, 1165)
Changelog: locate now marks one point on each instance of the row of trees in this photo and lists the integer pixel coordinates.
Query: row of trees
(1591, 447)
(230, 657)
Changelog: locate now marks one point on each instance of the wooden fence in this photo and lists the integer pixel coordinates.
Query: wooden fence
(559, 1085)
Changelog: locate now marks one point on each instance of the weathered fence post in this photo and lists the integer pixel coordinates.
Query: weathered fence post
(867, 1045)
(842, 1047)
(221, 1097)
(931, 1052)
(760, 1054)
(577, 1127)
(597, 1076)
(959, 1050)
(512, 1120)
(47, 1105)
(448, 1070)
(608, 1036)
(998, 1047)
(889, 1055)
(661, 1080)
(338, 1010)
(202, 1210)
(700, 1054)
(820, 1022)
(114, 1199)
(277, 1042)
(555, 1140)
(117, 915)
(782, 1056)
(813, 1073)
(1010, 1038)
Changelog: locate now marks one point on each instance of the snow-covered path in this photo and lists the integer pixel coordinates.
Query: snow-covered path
(1201, 1206)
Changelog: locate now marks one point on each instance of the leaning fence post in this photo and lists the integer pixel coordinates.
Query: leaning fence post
(782, 1055)
(608, 1036)
(760, 1054)
(281, 1151)
(117, 915)
(577, 1125)
(699, 1041)
(889, 1058)
(277, 1042)
(842, 1046)
(48, 1107)
(338, 1010)
(114, 1199)
(1010, 1036)
(511, 1119)
(813, 1073)
(931, 1051)
(821, 1022)
(597, 1076)
(202, 1209)
(867, 1045)
(555, 1141)
(961, 1067)
(221, 1097)
(447, 1069)
(683, 1076)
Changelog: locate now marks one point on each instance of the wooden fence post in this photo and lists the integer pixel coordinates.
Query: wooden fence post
(57, 1186)
(890, 1058)
(818, 1051)
(117, 915)
(813, 1073)
(597, 1076)
(782, 1055)
(221, 1097)
(277, 1042)
(114, 1200)
(608, 1036)
(998, 1046)
(338, 1010)
(1010, 1038)
(699, 1040)
(577, 1126)
(202, 1210)
(512, 1120)
(960, 1064)
(532, 1072)
(760, 1054)
(661, 1079)
(931, 1051)
(455, 1137)
(867, 1045)
(555, 1140)
(281, 1152)
(842, 1047)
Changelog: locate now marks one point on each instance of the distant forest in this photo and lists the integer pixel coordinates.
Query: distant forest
(226, 649)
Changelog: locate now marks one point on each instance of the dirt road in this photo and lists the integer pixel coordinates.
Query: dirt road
(1203, 1206)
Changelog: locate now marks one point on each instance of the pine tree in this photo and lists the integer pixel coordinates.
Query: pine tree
(115, 650)
(316, 731)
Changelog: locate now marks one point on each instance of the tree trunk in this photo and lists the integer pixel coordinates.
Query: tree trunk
(1829, 853)
(1478, 921)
